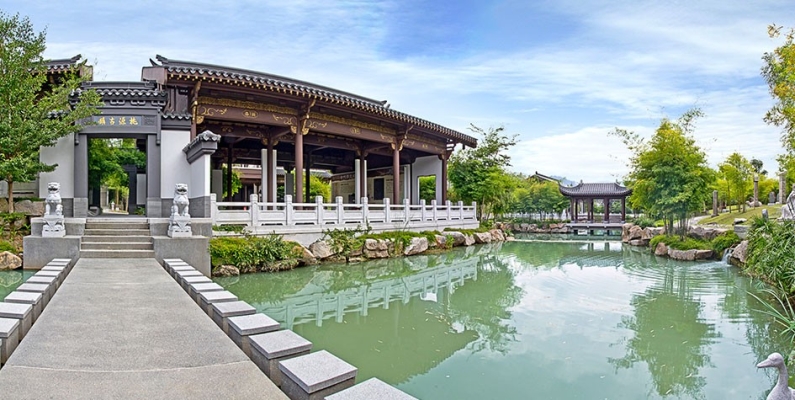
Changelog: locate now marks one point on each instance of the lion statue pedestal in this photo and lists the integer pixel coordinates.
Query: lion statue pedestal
(179, 222)
(53, 212)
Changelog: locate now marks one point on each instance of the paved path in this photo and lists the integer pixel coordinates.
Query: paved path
(123, 328)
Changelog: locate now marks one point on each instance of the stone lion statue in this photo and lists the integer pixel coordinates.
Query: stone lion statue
(52, 204)
(181, 203)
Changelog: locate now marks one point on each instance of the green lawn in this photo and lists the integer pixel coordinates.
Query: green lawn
(774, 212)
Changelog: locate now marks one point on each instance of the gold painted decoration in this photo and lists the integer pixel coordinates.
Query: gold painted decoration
(317, 125)
(356, 130)
(351, 122)
(248, 105)
(250, 113)
(292, 121)
(199, 119)
(211, 111)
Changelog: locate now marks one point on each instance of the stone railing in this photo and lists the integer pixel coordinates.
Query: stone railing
(256, 214)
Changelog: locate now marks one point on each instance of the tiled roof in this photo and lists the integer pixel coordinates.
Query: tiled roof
(120, 93)
(595, 190)
(295, 87)
(64, 64)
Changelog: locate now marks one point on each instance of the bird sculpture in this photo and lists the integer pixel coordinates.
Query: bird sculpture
(781, 391)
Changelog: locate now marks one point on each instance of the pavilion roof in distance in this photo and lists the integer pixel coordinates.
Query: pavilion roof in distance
(595, 190)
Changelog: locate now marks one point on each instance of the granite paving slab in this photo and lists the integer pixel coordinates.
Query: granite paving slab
(123, 328)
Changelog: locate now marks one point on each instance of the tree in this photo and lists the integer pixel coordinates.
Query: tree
(779, 72)
(33, 115)
(428, 188)
(669, 174)
(738, 174)
(479, 174)
(319, 187)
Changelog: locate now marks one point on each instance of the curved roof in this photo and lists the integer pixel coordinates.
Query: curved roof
(595, 190)
(279, 84)
(63, 64)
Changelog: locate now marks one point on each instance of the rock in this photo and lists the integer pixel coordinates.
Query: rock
(482, 237)
(635, 232)
(376, 245)
(458, 238)
(704, 254)
(226, 270)
(469, 240)
(740, 254)
(524, 227)
(281, 265)
(9, 261)
(307, 258)
(29, 207)
(355, 259)
(376, 253)
(441, 241)
(625, 232)
(700, 232)
(497, 235)
(510, 239)
(638, 242)
(738, 221)
(661, 249)
(416, 246)
(682, 255)
(321, 250)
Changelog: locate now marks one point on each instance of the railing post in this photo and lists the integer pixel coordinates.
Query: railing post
(340, 211)
(254, 211)
(213, 209)
(319, 205)
(423, 211)
(475, 210)
(288, 209)
(386, 209)
(434, 210)
(448, 204)
(406, 211)
(460, 210)
(365, 211)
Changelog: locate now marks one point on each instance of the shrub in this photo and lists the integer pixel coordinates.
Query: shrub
(345, 240)
(229, 228)
(675, 242)
(770, 248)
(724, 241)
(6, 246)
(253, 253)
(644, 221)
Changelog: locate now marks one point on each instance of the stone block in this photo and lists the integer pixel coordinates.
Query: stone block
(22, 312)
(240, 328)
(268, 349)
(372, 388)
(37, 288)
(50, 281)
(173, 269)
(180, 275)
(39, 251)
(206, 300)
(195, 288)
(61, 271)
(193, 250)
(33, 299)
(315, 376)
(9, 337)
(224, 310)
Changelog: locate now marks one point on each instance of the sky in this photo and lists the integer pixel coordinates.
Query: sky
(557, 74)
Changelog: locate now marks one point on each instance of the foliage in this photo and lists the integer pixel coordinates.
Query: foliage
(106, 158)
(236, 184)
(770, 248)
(724, 241)
(645, 221)
(343, 241)
(533, 197)
(229, 228)
(782, 310)
(319, 187)
(779, 73)
(428, 188)
(680, 243)
(6, 246)
(669, 174)
(253, 253)
(737, 174)
(479, 174)
(468, 232)
(28, 101)
(727, 219)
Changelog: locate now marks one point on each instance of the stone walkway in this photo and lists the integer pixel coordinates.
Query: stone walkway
(124, 329)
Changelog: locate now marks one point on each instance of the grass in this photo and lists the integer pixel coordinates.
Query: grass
(774, 212)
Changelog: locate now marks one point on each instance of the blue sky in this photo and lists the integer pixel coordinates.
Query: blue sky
(559, 74)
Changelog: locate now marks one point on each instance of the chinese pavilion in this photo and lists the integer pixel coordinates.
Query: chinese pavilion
(582, 198)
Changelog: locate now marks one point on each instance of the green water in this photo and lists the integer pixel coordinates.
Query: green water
(10, 280)
(537, 320)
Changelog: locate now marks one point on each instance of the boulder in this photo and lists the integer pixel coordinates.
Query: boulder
(704, 254)
(497, 235)
(661, 249)
(682, 255)
(307, 258)
(9, 261)
(482, 237)
(441, 241)
(703, 233)
(738, 221)
(740, 254)
(458, 238)
(509, 238)
(226, 270)
(321, 250)
(525, 227)
(625, 232)
(376, 253)
(638, 242)
(376, 245)
(29, 207)
(635, 232)
(416, 246)
(469, 240)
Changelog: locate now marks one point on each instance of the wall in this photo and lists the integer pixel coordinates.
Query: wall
(63, 154)
(425, 166)
(174, 167)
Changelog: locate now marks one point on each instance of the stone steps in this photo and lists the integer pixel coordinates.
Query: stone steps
(117, 238)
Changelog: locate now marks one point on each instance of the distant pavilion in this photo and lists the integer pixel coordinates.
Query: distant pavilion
(582, 198)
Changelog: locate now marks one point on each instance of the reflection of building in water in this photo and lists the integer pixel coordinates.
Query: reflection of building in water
(317, 305)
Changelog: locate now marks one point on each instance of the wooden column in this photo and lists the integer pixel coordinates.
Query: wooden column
(299, 165)
(271, 181)
(623, 209)
(229, 173)
(396, 175)
(607, 210)
(308, 174)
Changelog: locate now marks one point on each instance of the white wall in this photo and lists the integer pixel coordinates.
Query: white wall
(63, 154)
(199, 184)
(174, 167)
(425, 166)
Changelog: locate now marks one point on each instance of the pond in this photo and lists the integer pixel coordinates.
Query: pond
(10, 280)
(532, 320)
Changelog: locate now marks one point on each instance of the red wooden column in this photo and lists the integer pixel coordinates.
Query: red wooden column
(607, 210)
(590, 210)
(623, 209)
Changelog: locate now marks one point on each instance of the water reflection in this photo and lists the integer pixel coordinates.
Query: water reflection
(10, 280)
